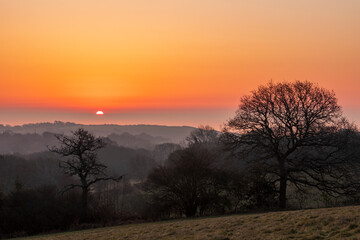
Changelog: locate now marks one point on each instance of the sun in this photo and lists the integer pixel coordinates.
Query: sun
(99, 113)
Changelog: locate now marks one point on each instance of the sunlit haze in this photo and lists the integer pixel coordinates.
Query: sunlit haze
(169, 62)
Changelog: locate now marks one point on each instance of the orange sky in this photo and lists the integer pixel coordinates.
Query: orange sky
(145, 59)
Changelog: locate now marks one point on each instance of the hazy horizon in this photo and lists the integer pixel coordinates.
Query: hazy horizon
(193, 117)
(216, 118)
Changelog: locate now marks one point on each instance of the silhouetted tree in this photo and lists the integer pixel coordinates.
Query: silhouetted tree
(80, 159)
(2, 196)
(162, 151)
(296, 131)
(203, 135)
(189, 182)
(250, 189)
(31, 211)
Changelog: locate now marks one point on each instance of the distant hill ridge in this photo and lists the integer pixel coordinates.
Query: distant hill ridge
(163, 133)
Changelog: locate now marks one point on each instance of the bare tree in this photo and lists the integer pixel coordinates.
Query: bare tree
(296, 130)
(188, 183)
(203, 135)
(162, 151)
(80, 159)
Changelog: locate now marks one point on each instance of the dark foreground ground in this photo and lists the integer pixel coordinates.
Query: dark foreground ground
(325, 223)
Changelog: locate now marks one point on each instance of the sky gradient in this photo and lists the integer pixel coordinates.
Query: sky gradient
(169, 62)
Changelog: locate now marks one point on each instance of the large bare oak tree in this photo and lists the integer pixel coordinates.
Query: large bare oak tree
(296, 130)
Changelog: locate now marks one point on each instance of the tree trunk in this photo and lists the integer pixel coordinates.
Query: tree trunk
(190, 211)
(283, 183)
(84, 205)
(282, 196)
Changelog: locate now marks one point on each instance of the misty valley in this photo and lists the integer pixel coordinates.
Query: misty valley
(25, 156)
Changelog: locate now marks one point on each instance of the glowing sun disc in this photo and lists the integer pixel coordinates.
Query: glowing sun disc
(99, 113)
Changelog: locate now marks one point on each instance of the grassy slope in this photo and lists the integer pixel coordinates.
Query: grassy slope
(326, 223)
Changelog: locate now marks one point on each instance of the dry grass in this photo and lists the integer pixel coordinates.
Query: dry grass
(326, 223)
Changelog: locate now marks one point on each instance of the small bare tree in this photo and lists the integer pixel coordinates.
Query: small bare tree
(203, 135)
(79, 152)
(189, 183)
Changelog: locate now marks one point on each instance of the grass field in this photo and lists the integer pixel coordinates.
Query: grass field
(326, 223)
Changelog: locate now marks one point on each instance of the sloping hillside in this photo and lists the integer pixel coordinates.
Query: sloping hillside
(326, 223)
